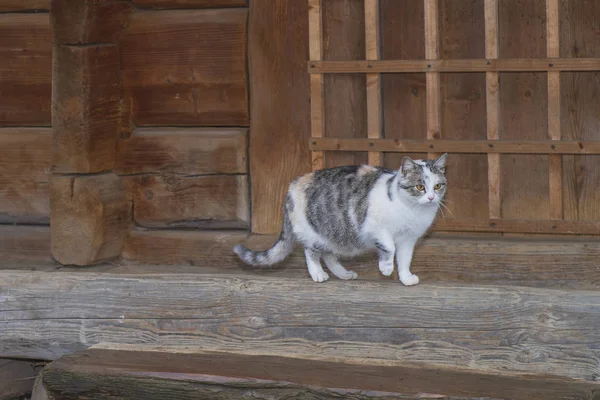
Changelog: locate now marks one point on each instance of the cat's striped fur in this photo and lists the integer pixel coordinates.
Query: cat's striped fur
(345, 211)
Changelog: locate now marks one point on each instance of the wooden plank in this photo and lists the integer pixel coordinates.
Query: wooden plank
(459, 146)
(404, 105)
(16, 378)
(345, 101)
(171, 4)
(28, 245)
(88, 21)
(492, 80)
(372, 52)
(317, 85)
(89, 218)
(204, 84)
(523, 111)
(213, 201)
(482, 328)
(555, 162)
(519, 225)
(475, 259)
(187, 151)
(24, 170)
(580, 101)
(25, 70)
(432, 79)
(24, 5)
(230, 375)
(469, 65)
(86, 108)
(277, 126)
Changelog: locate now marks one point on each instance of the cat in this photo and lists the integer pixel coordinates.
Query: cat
(347, 211)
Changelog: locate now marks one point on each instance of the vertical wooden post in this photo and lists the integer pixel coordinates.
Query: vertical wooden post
(372, 47)
(492, 107)
(317, 90)
(432, 79)
(89, 210)
(555, 160)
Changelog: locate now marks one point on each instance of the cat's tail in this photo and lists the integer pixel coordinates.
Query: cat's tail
(277, 253)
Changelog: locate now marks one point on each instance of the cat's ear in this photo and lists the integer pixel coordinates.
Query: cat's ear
(440, 163)
(408, 164)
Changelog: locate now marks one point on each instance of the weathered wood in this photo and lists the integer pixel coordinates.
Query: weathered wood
(432, 79)
(16, 378)
(481, 260)
(166, 4)
(86, 108)
(88, 21)
(26, 69)
(39, 390)
(372, 50)
(24, 5)
(485, 329)
(317, 86)
(492, 85)
(89, 218)
(214, 201)
(284, 124)
(555, 162)
(459, 146)
(173, 78)
(198, 374)
(24, 171)
(187, 151)
(25, 245)
(573, 227)
(508, 64)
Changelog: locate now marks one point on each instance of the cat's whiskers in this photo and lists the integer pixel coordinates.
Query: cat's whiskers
(447, 208)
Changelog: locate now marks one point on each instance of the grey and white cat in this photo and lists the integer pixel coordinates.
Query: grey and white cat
(346, 211)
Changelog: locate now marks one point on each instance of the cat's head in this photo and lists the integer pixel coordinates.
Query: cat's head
(423, 181)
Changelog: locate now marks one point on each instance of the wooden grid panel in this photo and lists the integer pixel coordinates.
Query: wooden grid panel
(432, 66)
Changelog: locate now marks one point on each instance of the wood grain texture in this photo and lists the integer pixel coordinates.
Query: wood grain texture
(16, 378)
(432, 79)
(25, 245)
(485, 329)
(170, 4)
(492, 85)
(280, 112)
(25, 70)
(185, 151)
(24, 5)
(580, 99)
(86, 108)
(403, 38)
(88, 21)
(219, 375)
(167, 200)
(24, 170)
(317, 84)
(478, 260)
(524, 110)
(186, 67)
(345, 104)
(89, 218)
(373, 52)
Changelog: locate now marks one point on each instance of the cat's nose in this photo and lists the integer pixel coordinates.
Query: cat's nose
(430, 198)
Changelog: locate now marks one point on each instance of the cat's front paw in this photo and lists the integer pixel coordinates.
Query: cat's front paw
(386, 269)
(319, 276)
(409, 280)
(348, 275)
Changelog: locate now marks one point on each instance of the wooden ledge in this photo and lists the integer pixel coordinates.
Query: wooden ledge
(199, 374)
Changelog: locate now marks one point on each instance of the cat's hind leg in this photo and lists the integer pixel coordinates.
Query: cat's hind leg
(313, 262)
(338, 269)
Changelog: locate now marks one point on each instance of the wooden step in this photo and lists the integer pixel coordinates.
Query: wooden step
(142, 373)
(480, 328)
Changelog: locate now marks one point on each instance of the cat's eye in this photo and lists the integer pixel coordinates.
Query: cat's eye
(437, 187)
(420, 188)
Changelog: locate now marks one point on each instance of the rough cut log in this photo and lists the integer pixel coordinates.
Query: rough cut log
(188, 151)
(164, 4)
(88, 21)
(26, 69)
(485, 329)
(24, 172)
(483, 260)
(187, 67)
(89, 218)
(86, 108)
(195, 374)
(16, 378)
(24, 5)
(213, 201)
(25, 245)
